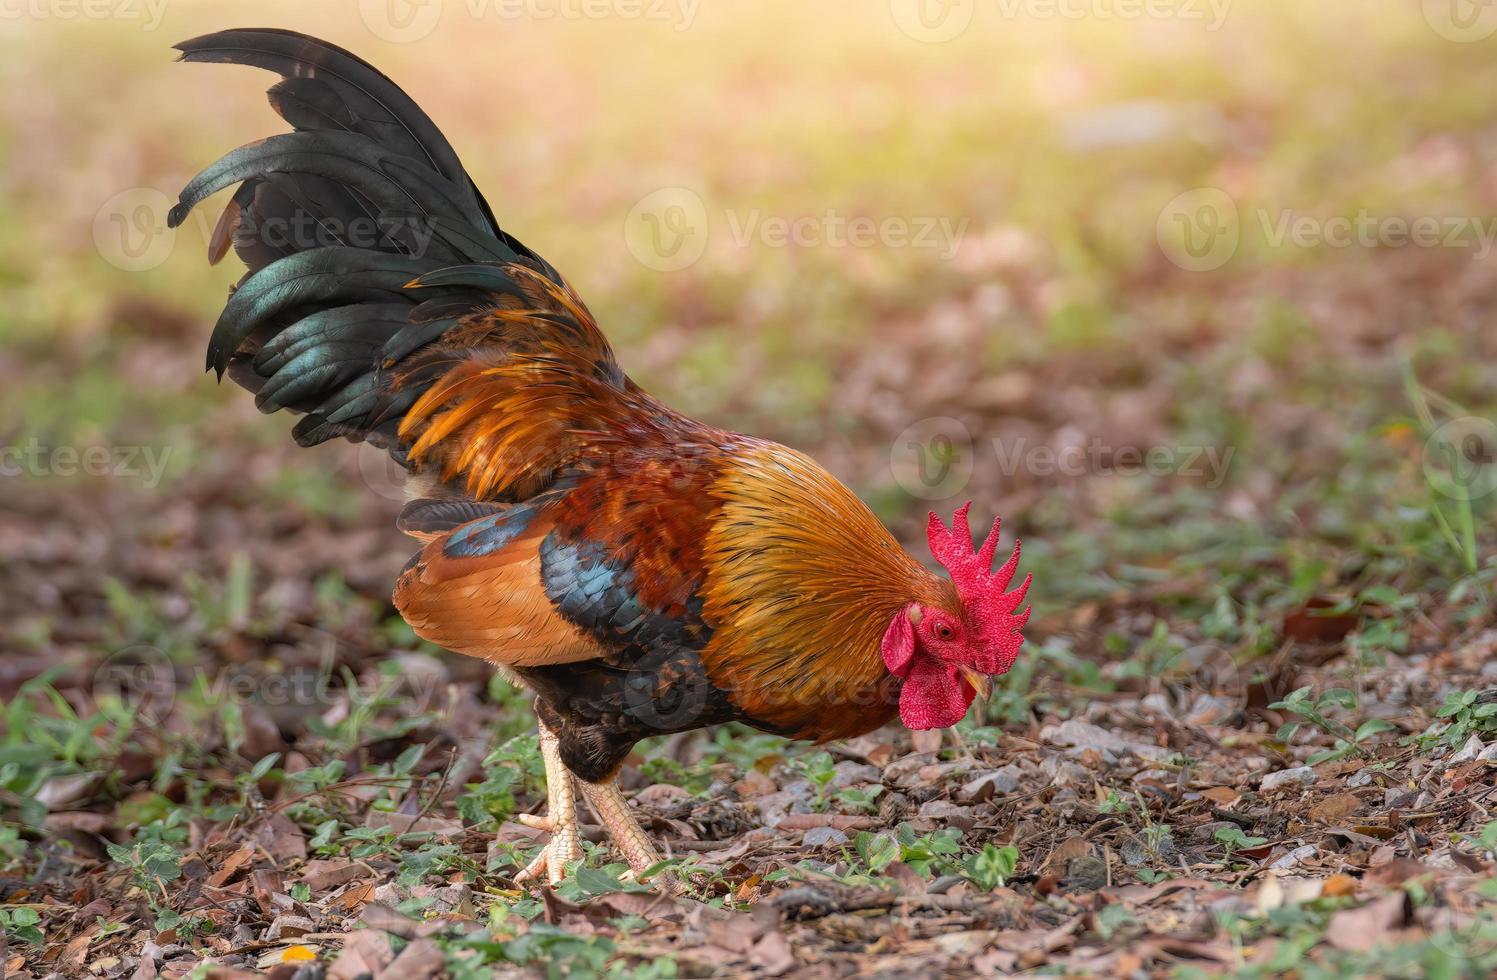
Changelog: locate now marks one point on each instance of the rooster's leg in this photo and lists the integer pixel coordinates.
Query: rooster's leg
(561, 817)
(613, 810)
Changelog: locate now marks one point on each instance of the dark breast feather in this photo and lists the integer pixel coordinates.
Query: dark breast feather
(623, 564)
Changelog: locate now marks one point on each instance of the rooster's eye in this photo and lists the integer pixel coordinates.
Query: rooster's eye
(943, 631)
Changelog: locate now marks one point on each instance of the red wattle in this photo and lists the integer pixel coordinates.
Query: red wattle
(934, 695)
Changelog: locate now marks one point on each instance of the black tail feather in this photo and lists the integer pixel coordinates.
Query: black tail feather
(333, 221)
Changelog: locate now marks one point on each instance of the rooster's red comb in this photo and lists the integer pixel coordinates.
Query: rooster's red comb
(987, 605)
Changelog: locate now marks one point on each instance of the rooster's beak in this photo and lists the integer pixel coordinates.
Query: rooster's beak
(981, 683)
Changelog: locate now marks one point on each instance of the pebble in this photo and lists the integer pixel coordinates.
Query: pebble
(754, 784)
(287, 926)
(986, 785)
(1299, 854)
(1207, 831)
(1211, 710)
(824, 837)
(1300, 776)
(946, 810)
(1468, 752)
(1084, 735)
(849, 773)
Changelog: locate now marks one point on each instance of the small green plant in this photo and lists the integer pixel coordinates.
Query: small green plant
(514, 766)
(819, 770)
(152, 863)
(991, 867)
(1232, 840)
(929, 854)
(1314, 710)
(876, 851)
(1465, 713)
(22, 923)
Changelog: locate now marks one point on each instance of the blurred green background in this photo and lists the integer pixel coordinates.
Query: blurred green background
(1111, 225)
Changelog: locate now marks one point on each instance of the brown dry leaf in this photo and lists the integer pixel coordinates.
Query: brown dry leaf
(356, 897)
(1065, 852)
(1339, 886)
(378, 915)
(322, 875)
(927, 742)
(421, 959)
(810, 821)
(283, 839)
(265, 884)
(1223, 796)
(1364, 928)
(1311, 623)
(365, 953)
(231, 866)
(1396, 872)
(772, 955)
(1335, 809)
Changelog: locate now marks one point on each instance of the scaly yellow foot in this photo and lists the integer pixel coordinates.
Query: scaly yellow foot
(560, 819)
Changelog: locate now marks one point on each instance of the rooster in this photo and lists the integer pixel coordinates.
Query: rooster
(639, 571)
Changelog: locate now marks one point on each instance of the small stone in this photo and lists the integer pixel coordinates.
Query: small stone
(1207, 831)
(1159, 704)
(1210, 710)
(1082, 735)
(773, 807)
(824, 837)
(288, 927)
(947, 811)
(1397, 798)
(849, 773)
(1294, 857)
(985, 786)
(1468, 752)
(1299, 776)
(1085, 874)
(390, 894)
(754, 784)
